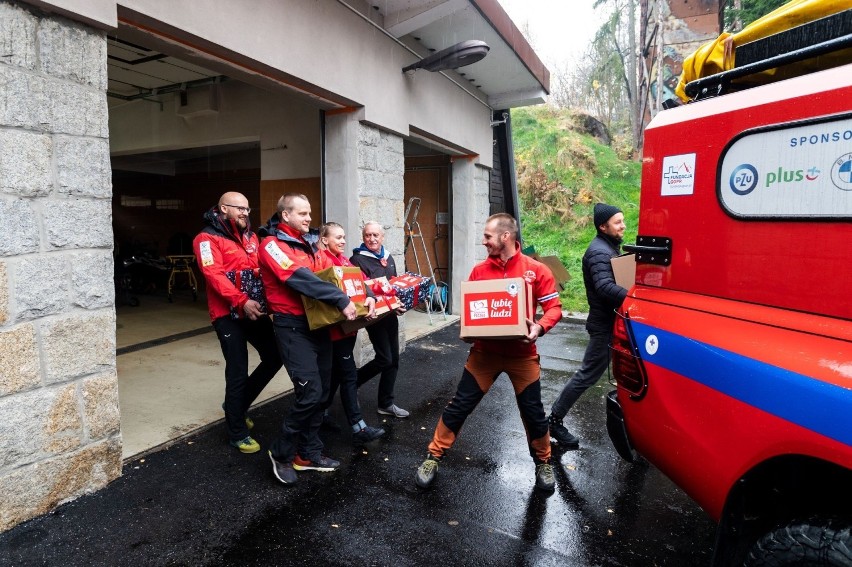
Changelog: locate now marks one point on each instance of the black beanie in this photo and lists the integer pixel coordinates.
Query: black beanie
(603, 213)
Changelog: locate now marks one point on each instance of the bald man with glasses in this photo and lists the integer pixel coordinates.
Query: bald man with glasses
(227, 254)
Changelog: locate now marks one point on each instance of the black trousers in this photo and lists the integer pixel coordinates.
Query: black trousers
(307, 357)
(344, 375)
(595, 363)
(242, 388)
(384, 334)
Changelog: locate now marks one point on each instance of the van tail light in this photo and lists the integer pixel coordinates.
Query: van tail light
(627, 366)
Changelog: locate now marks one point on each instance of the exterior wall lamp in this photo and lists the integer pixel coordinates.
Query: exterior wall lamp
(453, 57)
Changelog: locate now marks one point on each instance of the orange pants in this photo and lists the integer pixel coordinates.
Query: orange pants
(480, 373)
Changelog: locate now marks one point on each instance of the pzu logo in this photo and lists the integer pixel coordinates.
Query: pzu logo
(743, 179)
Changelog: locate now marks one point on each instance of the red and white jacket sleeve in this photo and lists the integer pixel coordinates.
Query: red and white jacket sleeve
(210, 259)
(544, 291)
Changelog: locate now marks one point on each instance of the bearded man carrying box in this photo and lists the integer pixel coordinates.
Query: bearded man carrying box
(513, 272)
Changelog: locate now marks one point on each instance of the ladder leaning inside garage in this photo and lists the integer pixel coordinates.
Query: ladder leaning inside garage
(413, 238)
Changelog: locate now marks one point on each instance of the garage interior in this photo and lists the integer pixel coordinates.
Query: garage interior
(181, 135)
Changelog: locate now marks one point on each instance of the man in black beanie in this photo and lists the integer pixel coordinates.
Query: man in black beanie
(604, 296)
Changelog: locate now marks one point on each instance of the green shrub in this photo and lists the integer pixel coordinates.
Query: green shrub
(561, 174)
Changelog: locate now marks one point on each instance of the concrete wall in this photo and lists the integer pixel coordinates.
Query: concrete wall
(59, 422)
(324, 49)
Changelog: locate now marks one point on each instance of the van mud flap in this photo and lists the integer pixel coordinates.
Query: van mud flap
(617, 429)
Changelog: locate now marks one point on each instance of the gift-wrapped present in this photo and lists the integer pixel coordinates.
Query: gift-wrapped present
(386, 303)
(350, 280)
(247, 281)
(411, 288)
(385, 293)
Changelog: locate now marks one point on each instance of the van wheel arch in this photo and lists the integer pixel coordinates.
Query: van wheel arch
(775, 494)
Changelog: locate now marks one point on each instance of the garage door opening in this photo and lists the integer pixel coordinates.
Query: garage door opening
(181, 135)
(427, 200)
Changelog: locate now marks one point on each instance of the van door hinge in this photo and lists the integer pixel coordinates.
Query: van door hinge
(652, 250)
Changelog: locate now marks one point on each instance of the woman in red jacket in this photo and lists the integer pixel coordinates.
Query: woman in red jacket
(344, 373)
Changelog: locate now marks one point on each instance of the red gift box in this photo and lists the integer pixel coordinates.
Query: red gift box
(385, 304)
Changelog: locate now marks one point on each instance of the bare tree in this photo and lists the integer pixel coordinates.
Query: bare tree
(618, 34)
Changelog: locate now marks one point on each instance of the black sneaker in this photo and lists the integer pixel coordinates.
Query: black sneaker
(323, 464)
(544, 479)
(427, 472)
(283, 471)
(328, 424)
(368, 434)
(561, 434)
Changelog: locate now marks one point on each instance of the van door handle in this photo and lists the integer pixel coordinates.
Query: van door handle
(652, 250)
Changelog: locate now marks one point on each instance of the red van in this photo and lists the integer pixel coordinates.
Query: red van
(732, 353)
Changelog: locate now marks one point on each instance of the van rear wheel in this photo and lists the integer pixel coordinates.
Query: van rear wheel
(816, 542)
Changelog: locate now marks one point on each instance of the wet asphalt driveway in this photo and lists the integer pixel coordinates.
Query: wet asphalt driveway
(201, 502)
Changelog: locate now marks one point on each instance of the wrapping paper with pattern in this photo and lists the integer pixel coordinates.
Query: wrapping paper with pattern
(249, 283)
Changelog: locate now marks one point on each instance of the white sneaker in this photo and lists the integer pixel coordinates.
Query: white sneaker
(393, 410)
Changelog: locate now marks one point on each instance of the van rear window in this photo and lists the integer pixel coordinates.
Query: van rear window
(799, 171)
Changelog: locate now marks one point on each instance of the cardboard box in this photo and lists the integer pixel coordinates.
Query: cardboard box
(624, 270)
(496, 309)
(559, 272)
(350, 280)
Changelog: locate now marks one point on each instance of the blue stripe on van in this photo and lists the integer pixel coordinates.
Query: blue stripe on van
(800, 399)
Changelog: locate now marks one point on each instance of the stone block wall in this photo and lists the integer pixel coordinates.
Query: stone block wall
(381, 187)
(59, 417)
(481, 192)
(381, 197)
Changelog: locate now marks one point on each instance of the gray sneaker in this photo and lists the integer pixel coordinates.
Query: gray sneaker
(427, 472)
(283, 471)
(322, 464)
(393, 410)
(368, 434)
(544, 479)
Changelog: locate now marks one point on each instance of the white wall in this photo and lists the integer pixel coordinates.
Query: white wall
(245, 113)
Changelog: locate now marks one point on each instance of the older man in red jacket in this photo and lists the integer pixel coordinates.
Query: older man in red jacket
(490, 358)
(226, 251)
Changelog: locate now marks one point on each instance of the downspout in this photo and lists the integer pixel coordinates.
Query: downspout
(505, 147)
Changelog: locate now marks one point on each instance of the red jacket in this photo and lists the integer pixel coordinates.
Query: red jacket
(221, 248)
(544, 293)
(287, 266)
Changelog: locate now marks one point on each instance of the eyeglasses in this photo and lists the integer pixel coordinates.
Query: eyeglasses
(245, 210)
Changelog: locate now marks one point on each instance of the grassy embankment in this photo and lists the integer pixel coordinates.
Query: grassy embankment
(561, 174)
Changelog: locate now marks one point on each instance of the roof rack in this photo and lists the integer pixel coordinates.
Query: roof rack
(808, 41)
